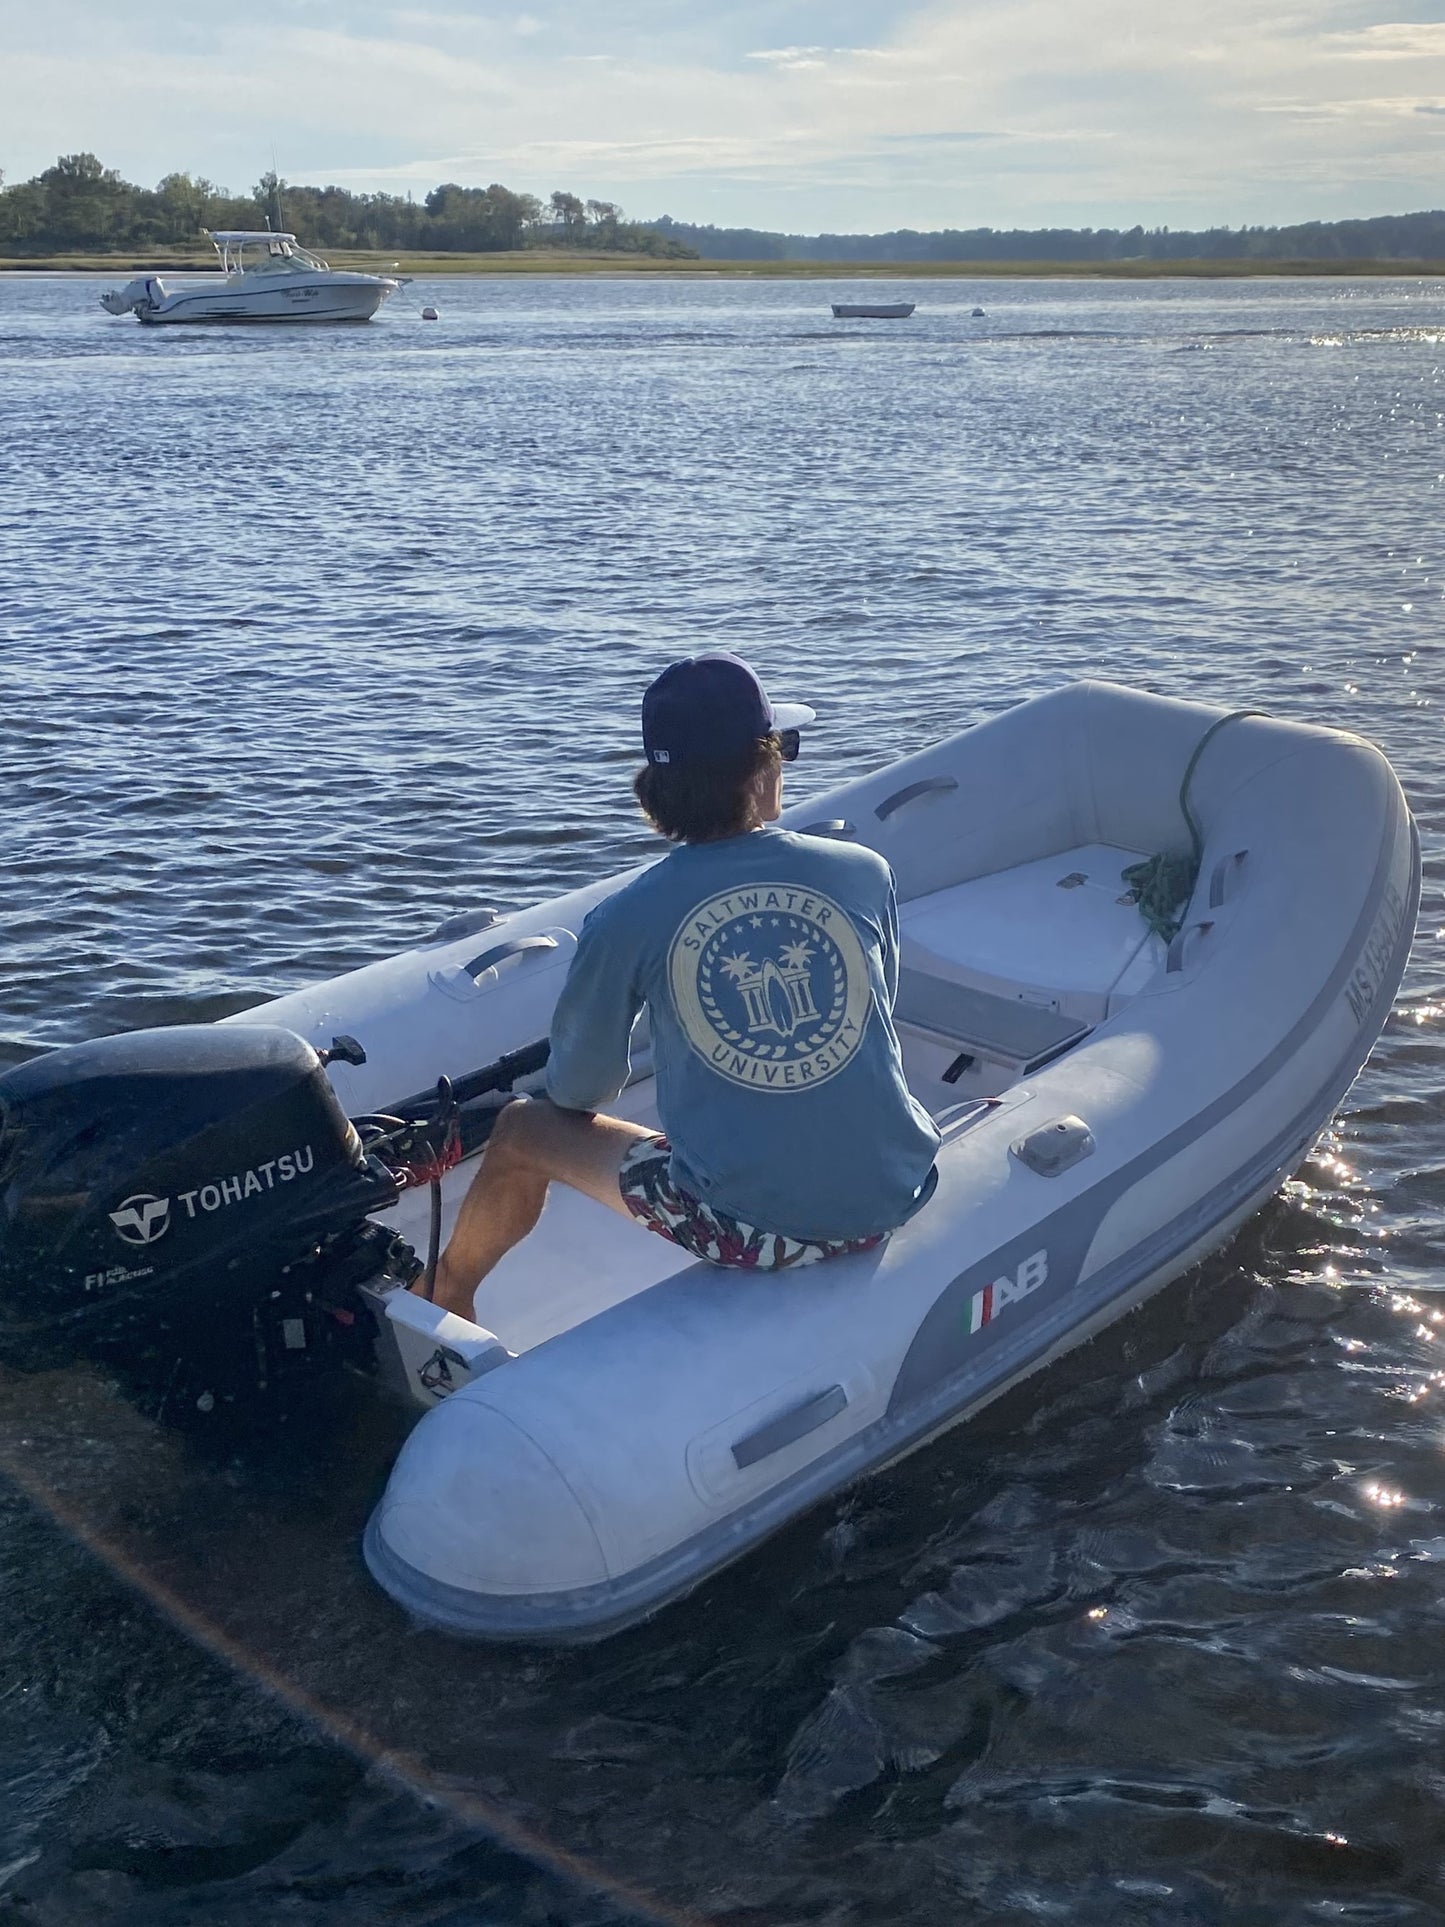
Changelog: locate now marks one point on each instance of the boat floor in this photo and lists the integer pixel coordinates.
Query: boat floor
(581, 1260)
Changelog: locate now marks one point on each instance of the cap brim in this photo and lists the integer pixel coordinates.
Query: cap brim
(793, 715)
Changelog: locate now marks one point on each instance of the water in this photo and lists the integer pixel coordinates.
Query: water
(311, 640)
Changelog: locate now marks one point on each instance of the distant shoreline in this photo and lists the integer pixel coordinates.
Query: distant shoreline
(567, 261)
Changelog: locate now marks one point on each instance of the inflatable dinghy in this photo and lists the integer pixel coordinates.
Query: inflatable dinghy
(1115, 1097)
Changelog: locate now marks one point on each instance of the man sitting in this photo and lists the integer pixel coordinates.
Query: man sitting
(767, 963)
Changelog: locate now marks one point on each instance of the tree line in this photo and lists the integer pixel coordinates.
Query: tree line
(80, 205)
(1390, 237)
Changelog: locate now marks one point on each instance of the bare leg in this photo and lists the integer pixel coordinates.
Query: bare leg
(532, 1143)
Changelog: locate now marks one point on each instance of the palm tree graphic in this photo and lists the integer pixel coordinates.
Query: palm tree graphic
(776, 1000)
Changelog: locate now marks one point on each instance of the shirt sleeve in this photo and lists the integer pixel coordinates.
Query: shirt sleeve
(592, 1023)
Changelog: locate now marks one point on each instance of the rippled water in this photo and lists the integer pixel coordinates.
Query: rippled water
(308, 640)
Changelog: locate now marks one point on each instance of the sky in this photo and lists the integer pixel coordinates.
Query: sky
(850, 116)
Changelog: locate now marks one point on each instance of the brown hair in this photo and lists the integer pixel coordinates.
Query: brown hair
(706, 797)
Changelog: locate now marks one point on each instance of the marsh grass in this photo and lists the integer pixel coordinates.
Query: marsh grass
(573, 261)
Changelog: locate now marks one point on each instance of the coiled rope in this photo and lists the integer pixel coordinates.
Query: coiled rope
(1162, 885)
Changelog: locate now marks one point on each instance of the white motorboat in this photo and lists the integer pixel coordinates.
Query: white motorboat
(872, 310)
(1114, 1100)
(262, 277)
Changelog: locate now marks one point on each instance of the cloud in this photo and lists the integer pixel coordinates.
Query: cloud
(1392, 40)
(795, 59)
(942, 140)
(961, 112)
(1378, 107)
(791, 60)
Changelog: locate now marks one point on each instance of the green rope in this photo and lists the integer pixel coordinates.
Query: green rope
(1162, 885)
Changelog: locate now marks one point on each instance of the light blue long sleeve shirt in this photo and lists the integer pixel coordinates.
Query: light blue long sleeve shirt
(768, 965)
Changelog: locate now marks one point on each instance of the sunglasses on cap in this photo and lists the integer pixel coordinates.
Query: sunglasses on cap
(790, 741)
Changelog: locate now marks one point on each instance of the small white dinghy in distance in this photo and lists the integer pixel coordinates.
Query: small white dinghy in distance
(1112, 1107)
(872, 310)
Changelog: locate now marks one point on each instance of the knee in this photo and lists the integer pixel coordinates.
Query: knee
(513, 1133)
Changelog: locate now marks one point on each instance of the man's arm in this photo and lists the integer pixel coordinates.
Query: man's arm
(592, 1022)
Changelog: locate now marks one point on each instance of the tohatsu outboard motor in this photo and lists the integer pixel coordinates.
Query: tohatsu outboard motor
(188, 1203)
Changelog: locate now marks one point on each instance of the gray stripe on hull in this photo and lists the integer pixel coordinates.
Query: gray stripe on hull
(593, 1612)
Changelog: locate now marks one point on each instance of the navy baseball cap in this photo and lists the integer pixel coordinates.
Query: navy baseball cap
(711, 706)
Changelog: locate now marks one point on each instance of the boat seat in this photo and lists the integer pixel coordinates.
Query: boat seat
(981, 1023)
(1055, 942)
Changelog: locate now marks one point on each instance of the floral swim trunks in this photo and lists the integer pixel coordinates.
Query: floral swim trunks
(654, 1200)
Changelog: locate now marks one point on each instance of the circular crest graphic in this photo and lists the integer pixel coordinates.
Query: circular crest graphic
(771, 986)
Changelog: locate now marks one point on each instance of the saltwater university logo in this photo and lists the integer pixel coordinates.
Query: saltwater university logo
(771, 986)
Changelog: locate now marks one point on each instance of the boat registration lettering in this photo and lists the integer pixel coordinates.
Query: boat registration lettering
(1369, 973)
(986, 1305)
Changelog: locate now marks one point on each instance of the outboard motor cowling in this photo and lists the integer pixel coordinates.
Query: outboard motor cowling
(169, 1179)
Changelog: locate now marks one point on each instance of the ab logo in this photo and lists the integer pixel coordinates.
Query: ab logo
(986, 1305)
(771, 986)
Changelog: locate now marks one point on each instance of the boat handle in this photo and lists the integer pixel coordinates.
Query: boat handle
(830, 826)
(925, 786)
(1175, 959)
(513, 947)
(1221, 874)
(790, 1427)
